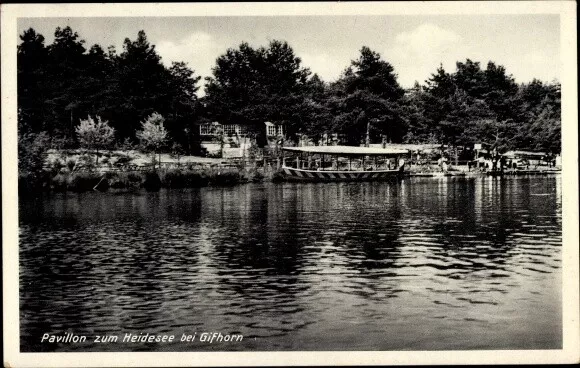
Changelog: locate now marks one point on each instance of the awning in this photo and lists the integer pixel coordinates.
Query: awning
(524, 154)
(347, 150)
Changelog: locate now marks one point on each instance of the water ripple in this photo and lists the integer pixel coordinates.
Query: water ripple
(299, 266)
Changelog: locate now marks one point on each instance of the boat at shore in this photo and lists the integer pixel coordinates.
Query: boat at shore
(342, 163)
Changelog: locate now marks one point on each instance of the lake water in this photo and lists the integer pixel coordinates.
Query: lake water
(420, 264)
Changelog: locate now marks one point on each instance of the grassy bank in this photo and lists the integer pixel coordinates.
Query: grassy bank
(153, 180)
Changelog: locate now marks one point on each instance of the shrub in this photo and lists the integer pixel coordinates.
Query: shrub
(56, 166)
(118, 182)
(257, 176)
(59, 183)
(70, 164)
(32, 152)
(123, 180)
(173, 179)
(277, 177)
(122, 161)
(134, 177)
(87, 162)
(102, 185)
(127, 145)
(82, 181)
(33, 184)
(180, 178)
(193, 178)
(152, 182)
(225, 177)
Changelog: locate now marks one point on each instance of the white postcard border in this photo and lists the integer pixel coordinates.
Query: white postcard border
(571, 331)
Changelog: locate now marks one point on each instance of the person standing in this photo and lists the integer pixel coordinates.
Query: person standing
(401, 164)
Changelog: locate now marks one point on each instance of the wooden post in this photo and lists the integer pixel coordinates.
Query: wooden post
(283, 158)
(367, 138)
(244, 153)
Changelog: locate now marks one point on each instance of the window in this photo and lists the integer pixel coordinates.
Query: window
(230, 129)
(205, 129)
(274, 130)
(243, 129)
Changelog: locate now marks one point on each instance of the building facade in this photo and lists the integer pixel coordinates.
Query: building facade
(234, 140)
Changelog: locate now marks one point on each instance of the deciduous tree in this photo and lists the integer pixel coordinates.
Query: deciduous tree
(95, 135)
(153, 135)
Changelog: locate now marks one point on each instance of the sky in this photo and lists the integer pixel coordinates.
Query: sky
(527, 45)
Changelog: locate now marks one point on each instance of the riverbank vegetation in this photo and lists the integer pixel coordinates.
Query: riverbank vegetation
(133, 180)
(73, 96)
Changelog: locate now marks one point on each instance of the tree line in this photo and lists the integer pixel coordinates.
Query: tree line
(65, 82)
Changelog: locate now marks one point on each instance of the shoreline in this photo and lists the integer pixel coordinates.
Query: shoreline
(473, 174)
(154, 180)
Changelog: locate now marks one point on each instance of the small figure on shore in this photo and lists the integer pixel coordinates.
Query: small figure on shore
(502, 163)
(481, 163)
(401, 164)
(442, 162)
(488, 165)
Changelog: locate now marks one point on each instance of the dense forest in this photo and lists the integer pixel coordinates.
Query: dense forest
(61, 83)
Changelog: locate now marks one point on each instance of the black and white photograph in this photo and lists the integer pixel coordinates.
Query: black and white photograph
(327, 183)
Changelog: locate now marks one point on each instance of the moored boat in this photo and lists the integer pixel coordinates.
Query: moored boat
(342, 163)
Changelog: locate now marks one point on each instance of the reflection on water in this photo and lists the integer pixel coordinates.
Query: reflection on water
(422, 264)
